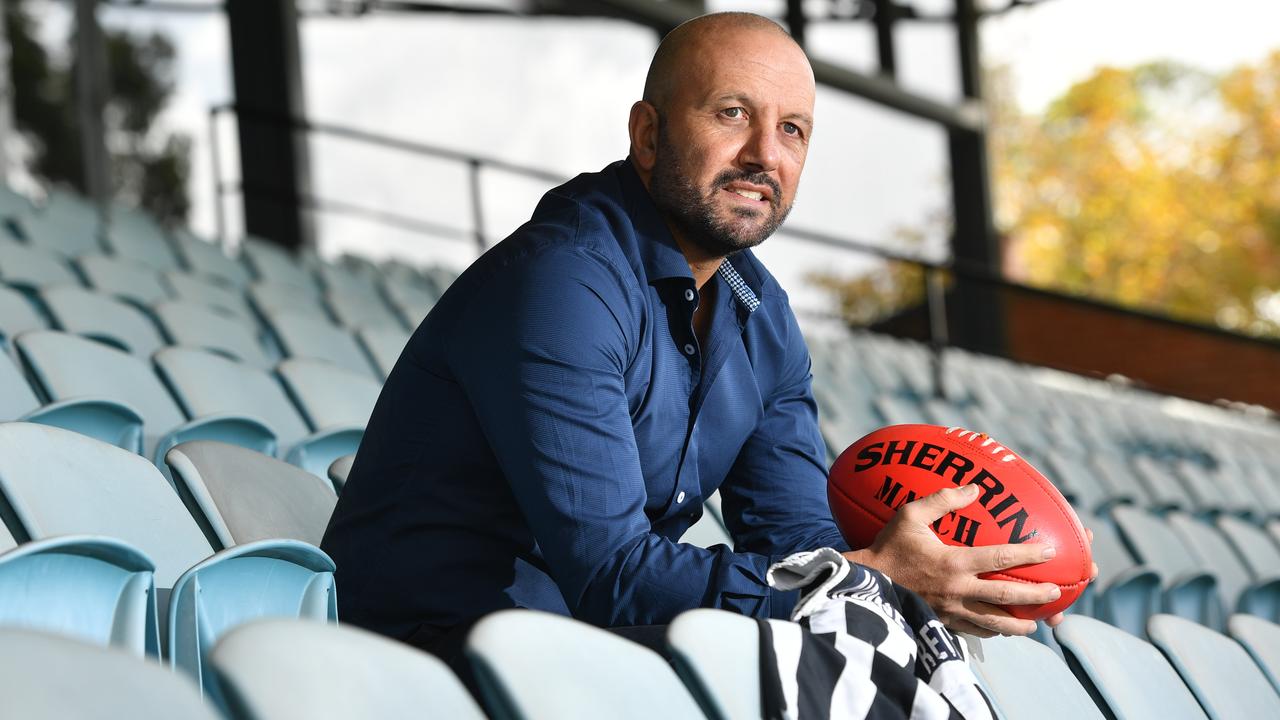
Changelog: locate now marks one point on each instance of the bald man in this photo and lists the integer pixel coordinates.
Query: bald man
(555, 424)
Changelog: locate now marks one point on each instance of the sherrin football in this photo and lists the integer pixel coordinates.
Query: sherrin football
(892, 466)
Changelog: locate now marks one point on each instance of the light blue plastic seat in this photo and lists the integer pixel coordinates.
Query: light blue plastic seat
(314, 338)
(1125, 593)
(348, 278)
(94, 315)
(1260, 554)
(50, 677)
(122, 279)
(14, 203)
(440, 278)
(329, 396)
(1120, 479)
(353, 310)
(17, 315)
(717, 656)
(30, 268)
(1261, 639)
(1024, 679)
(269, 298)
(533, 665)
(202, 290)
(197, 326)
(1164, 488)
(1076, 482)
(207, 260)
(208, 385)
(1126, 676)
(899, 410)
(1218, 671)
(51, 233)
(383, 346)
(56, 482)
(133, 234)
(68, 367)
(1238, 589)
(1215, 491)
(272, 263)
(412, 298)
(340, 469)
(94, 588)
(1189, 590)
(239, 496)
(271, 670)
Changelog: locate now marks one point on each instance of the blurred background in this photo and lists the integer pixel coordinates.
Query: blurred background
(1089, 185)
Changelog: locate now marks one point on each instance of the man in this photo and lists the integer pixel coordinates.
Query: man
(556, 422)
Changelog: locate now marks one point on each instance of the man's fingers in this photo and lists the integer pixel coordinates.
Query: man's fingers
(996, 620)
(968, 628)
(1006, 592)
(929, 508)
(1055, 620)
(1088, 534)
(993, 558)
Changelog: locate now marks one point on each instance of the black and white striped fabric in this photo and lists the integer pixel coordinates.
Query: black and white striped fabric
(859, 646)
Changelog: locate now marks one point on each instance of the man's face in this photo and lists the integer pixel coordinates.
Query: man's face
(732, 140)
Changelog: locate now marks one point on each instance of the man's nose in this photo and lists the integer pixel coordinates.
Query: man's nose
(761, 151)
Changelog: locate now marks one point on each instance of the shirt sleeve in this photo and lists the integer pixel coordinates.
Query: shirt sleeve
(541, 355)
(775, 497)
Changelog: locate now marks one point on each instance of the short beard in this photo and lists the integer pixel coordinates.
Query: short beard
(693, 212)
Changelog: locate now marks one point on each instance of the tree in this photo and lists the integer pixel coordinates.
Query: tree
(150, 166)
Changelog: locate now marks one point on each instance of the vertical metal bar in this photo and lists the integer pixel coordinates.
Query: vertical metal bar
(796, 20)
(6, 99)
(936, 302)
(215, 166)
(91, 100)
(477, 206)
(885, 17)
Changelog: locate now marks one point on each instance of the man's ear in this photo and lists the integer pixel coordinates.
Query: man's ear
(642, 126)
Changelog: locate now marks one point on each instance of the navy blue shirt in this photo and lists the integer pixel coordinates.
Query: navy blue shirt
(554, 425)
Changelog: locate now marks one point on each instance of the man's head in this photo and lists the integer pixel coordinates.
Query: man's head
(721, 135)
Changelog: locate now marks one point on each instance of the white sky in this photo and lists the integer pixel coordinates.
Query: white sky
(554, 93)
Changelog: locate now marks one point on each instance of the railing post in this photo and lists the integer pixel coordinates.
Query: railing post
(215, 167)
(936, 300)
(477, 207)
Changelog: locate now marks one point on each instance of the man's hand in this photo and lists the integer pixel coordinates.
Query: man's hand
(946, 576)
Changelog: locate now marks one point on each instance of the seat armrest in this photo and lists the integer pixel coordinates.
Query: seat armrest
(316, 452)
(106, 420)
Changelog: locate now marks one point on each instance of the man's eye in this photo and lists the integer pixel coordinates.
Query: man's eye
(732, 113)
(791, 129)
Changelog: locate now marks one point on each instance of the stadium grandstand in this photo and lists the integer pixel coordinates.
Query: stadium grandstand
(181, 409)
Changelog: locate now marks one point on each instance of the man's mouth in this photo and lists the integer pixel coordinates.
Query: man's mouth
(749, 194)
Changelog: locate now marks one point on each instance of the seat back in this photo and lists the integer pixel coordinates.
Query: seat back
(273, 263)
(197, 326)
(281, 668)
(1261, 639)
(717, 655)
(269, 297)
(204, 291)
(57, 482)
(48, 676)
(16, 396)
(359, 310)
(135, 235)
(316, 339)
(95, 315)
(383, 346)
(66, 366)
(538, 666)
(1127, 676)
(94, 588)
(1223, 677)
(1260, 554)
(206, 259)
(1026, 679)
(31, 268)
(122, 279)
(1155, 542)
(241, 496)
(330, 396)
(1212, 552)
(17, 314)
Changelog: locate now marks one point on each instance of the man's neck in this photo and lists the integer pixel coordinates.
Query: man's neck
(702, 264)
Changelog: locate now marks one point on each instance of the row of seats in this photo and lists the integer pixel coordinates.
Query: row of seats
(539, 666)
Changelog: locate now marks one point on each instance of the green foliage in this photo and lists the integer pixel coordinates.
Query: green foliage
(149, 167)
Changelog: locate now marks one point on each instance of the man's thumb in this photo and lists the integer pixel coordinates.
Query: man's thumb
(930, 508)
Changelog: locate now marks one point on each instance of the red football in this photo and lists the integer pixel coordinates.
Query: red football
(895, 465)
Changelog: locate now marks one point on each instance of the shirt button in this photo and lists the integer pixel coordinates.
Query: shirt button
(688, 295)
(689, 349)
(680, 497)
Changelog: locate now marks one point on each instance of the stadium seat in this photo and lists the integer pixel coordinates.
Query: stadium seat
(13, 203)
(239, 496)
(205, 259)
(1189, 590)
(30, 268)
(1119, 477)
(533, 665)
(72, 211)
(1127, 677)
(411, 299)
(49, 677)
(303, 336)
(357, 310)
(102, 318)
(17, 314)
(197, 326)
(278, 669)
(207, 385)
(1261, 639)
(68, 367)
(1072, 477)
(1238, 589)
(330, 397)
(134, 235)
(269, 298)
(1260, 554)
(1026, 679)
(383, 346)
(1165, 491)
(122, 279)
(200, 290)
(274, 264)
(52, 234)
(1125, 593)
(1218, 671)
(340, 469)
(1213, 491)
(97, 589)
(342, 278)
(717, 655)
